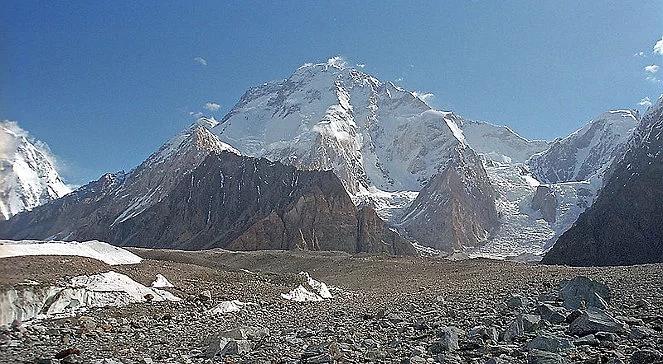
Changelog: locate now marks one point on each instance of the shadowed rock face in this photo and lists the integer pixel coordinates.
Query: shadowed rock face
(228, 201)
(625, 224)
(456, 209)
(544, 201)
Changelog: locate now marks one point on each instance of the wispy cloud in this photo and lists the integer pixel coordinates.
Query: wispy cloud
(337, 61)
(653, 79)
(658, 47)
(196, 114)
(361, 65)
(426, 97)
(212, 106)
(200, 60)
(645, 101)
(640, 54)
(652, 68)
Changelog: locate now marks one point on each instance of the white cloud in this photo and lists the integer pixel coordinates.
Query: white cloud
(361, 65)
(652, 68)
(200, 60)
(645, 101)
(212, 106)
(658, 47)
(196, 114)
(426, 97)
(639, 54)
(400, 79)
(337, 61)
(654, 79)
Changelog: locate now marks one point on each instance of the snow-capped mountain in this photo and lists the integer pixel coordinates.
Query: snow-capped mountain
(383, 142)
(625, 224)
(328, 117)
(586, 153)
(500, 143)
(197, 192)
(28, 177)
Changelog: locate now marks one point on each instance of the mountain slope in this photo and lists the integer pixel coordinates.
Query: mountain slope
(500, 143)
(383, 142)
(28, 177)
(370, 133)
(587, 152)
(456, 209)
(197, 193)
(625, 224)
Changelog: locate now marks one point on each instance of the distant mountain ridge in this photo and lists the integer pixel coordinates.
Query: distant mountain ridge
(195, 192)
(625, 224)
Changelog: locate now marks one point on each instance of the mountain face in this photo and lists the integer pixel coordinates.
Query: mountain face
(586, 153)
(499, 143)
(326, 117)
(384, 143)
(625, 223)
(456, 209)
(197, 193)
(28, 177)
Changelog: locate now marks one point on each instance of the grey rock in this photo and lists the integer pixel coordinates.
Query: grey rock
(516, 301)
(549, 342)
(583, 292)
(544, 357)
(513, 331)
(593, 321)
(448, 340)
(550, 313)
(590, 340)
(646, 357)
(530, 322)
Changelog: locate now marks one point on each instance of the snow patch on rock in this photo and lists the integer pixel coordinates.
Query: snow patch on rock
(76, 295)
(231, 306)
(315, 291)
(94, 249)
(161, 282)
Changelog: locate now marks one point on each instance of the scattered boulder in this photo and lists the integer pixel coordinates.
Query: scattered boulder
(593, 321)
(551, 314)
(582, 292)
(646, 357)
(550, 343)
(448, 340)
(544, 357)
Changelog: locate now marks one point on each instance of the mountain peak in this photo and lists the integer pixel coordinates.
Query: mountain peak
(28, 177)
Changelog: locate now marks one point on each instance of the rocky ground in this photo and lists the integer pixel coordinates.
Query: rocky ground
(384, 310)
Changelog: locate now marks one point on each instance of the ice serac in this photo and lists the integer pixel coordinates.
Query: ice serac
(456, 209)
(625, 223)
(197, 192)
(28, 177)
(586, 153)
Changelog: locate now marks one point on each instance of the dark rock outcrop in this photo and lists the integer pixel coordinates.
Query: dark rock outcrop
(625, 224)
(544, 201)
(456, 208)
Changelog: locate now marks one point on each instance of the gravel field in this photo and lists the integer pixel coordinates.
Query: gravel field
(383, 310)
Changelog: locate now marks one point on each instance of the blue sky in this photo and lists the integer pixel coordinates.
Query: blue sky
(106, 83)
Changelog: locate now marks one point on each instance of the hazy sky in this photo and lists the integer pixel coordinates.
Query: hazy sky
(105, 84)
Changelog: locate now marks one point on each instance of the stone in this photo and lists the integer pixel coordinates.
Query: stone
(237, 347)
(640, 332)
(516, 301)
(590, 340)
(583, 292)
(245, 333)
(513, 331)
(530, 322)
(646, 357)
(550, 313)
(448, 340)
(544, 357)
(593, 321)
(549, 342)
